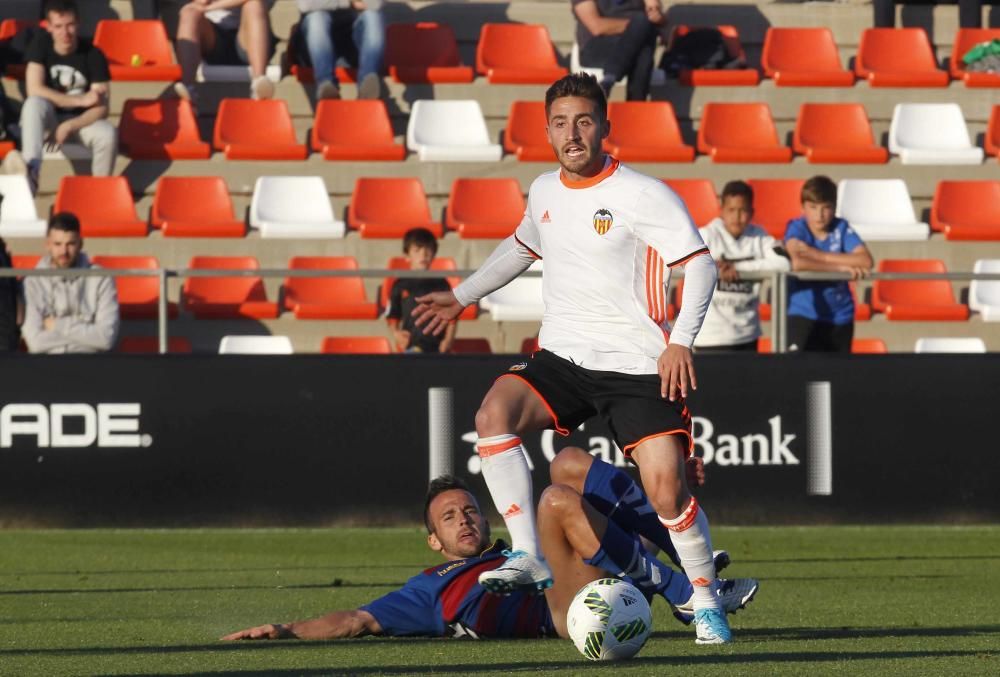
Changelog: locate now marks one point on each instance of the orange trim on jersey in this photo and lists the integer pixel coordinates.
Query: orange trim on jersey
(683, 521)
(681, 262)
(677, 431)
(530, 250)
(593, 180)
(555, 421)
(656, 297)
(498, 448)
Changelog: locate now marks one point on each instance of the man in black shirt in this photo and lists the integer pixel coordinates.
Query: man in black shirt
(420, 247)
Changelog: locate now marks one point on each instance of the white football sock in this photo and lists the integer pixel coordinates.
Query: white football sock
(506, 472)
(689, 534)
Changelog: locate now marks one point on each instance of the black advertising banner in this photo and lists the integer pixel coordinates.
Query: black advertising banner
(311, 439)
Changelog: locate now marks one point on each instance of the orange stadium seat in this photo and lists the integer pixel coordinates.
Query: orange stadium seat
(24, 261)
(775, 203)
(740, 132)
(356, 345)
(920, 300)
(387, 208)
(256, 130)
(517, 54)
(151, 344)
(104, 205)
(8, 29)
(6, 147)
(803, 57)
(138, 296)
(354, 130)
(992, 140)
(327, 298)
(967, 210)
(439, 263)
(525, 132)
(194, 206)
(735, 77)
(484, 208)
(424, 52)
(862, 310)
(529, 345)
(161, 129)
(898, 57)
(836, 133)
(646, 131)
(227, 297)
(966, 39)
(137, 50)
(473, 346)
(699, 196)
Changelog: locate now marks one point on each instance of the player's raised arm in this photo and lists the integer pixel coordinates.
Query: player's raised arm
(334, 625)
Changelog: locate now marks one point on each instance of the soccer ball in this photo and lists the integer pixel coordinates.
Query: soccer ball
(609, 620)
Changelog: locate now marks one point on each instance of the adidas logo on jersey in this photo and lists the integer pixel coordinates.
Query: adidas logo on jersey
(513, 511)
(545, 217)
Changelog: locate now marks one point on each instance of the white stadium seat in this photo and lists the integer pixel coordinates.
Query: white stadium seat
(984, 295)
(950, 345)
(879, 209)
(18, 216)
(519, 301)
(450, 131)
(293, 206)
(931, 134)
(255, 345)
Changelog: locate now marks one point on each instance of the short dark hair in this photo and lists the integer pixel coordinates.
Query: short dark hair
(66, 221)
(61, 7)
(582, 85)
(419, 237)
(738, 189)
(438, 486)
(819, 189)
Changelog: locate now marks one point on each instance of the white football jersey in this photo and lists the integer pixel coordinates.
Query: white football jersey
(608, 243)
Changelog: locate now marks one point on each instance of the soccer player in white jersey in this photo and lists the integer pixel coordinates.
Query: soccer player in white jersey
(609, 237)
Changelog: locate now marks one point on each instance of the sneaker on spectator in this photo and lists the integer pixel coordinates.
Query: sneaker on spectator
(327, 90)
(261, 87)
(370, 87)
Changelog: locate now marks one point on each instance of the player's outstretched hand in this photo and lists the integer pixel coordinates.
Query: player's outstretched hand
(270, 631)
(694, 468)
(676, 368)
(435, 310)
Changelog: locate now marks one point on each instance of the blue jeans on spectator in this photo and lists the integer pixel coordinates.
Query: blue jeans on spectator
(367, 32)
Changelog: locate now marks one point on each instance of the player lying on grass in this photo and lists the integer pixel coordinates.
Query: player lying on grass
(590, 522)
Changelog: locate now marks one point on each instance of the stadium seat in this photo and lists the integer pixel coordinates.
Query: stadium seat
(255, 345)
(518, 301)
(509, 53)
(450, 131)
(8, 29)
(992, 136)
(529, 345)
(966, 39)
(18, 216)
(327, 298)
(967, 210)
(862, 310)
(161, 129)
(484, 208)
(439, 263)
(387, 208)
(194, 206)
(722, 77)
(699, 197)
(424, 52)
(354, 130)
(24, 261)
(137, 50)
(151, 344)
(775, 203)
(931, 134)
(138, 296)
(965, 344)
(6, 147)
(293, 206)
(836, 133)
(874, 346)
(920, 300)
(525, 135)
(471, 346)
(104, 205)
(879, 209)
(984, 295)
(646, 131)
(256, 130)
(740, 132)
(356, 345)
(898, 57)
(227, 297)
(803, 57)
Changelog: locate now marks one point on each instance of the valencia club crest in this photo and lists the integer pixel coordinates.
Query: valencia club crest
(603, 221)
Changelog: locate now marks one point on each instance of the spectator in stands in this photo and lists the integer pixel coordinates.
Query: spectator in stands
(619, 36)
(420, 247)
(737, 245)
(11, 305)
(821, 314)
(67, 85)
(225, 32)
(970, 12)
(352, 29)
(69, 314)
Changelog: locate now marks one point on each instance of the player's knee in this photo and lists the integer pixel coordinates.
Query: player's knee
(570, 466)
(667, 495)
(558, 500)
(189, 14)
(494, 418)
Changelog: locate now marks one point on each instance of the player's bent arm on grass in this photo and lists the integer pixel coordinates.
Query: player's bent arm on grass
(334, 625)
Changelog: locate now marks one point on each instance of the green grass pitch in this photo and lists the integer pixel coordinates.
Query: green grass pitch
(833, 600)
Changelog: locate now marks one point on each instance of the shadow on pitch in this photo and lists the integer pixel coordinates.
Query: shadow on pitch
(105, 591)
(215, 570)
(896, 558)
(792, 634)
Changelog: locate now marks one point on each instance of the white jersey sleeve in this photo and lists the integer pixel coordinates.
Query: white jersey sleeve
(527, 234)
(507, 261)
(662, 221)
